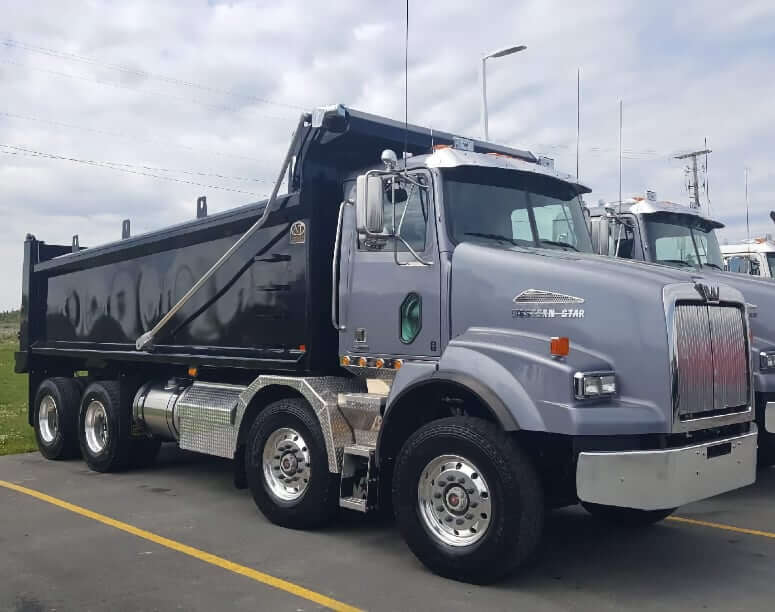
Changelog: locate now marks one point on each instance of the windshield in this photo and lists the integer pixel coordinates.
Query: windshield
(678, 240)
(771, 263)
(514, 207)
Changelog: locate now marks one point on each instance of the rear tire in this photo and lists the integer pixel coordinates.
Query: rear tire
(468, 500)
(286, 463)
(102, 430)
(55, 418)
(626, 517)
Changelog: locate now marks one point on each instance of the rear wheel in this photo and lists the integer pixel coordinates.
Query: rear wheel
(55, 418)
(626, 517)
(103, 431)
(467, 499)
(287, 466)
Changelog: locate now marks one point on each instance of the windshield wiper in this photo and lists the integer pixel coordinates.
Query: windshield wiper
(675, 261)
(491, 237)
(712, 265)
(559, 244)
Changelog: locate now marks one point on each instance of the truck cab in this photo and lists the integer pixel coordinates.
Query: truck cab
(645, 229)
(754, 257)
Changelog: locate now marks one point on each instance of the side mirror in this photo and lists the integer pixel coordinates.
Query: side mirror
(368, 205)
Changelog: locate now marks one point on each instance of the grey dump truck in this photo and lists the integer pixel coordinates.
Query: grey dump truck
(427, 332)
(645, 229)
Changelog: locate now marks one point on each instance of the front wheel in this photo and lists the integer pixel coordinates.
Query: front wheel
(286, 464)
(626, 517)
(467, 499)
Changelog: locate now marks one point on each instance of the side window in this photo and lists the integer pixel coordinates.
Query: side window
(411, 218)
(738, 263)
(625, 237)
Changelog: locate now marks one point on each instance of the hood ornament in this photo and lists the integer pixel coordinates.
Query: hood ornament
(539, 296)
(709, 293)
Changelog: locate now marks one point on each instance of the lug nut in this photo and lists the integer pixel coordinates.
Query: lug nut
(437, 495)
(448, 519)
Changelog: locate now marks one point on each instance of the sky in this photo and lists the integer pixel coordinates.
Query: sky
(112, 110)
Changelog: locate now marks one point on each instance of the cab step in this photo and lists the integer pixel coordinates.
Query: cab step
(363, 411)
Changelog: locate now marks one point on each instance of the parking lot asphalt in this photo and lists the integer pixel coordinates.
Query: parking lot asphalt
(59, 558)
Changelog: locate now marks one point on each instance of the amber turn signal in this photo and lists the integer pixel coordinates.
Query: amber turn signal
(559, 346)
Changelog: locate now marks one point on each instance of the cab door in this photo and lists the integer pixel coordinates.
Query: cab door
(390, 301)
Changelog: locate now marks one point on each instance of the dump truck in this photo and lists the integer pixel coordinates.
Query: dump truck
(408, 328)
(667, 233)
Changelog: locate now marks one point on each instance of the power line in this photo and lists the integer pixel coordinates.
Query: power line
(74, 57)
(221, 107)
(127, 136)
(17, 150)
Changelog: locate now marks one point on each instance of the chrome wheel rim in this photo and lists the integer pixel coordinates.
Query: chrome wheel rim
(454, 500)
(286, 464)
(48, 419)
(96, 426)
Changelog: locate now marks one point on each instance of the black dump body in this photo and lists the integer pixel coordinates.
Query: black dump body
(267, 309)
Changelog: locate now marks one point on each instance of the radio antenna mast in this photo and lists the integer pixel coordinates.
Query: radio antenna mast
(620, 157)
(406, 83)
(578, 118)
(747, 225)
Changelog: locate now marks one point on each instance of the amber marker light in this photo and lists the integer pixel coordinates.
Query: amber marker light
(379, 363)
(345, 360)
(362, 362)
(397, 364)
(193, 371)
(559, 346)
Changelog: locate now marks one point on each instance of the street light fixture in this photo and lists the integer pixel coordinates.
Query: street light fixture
(494, 54)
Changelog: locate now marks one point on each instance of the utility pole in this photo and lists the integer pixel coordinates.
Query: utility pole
(694, 182)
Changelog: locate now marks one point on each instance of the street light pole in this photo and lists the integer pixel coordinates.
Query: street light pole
(493, 55)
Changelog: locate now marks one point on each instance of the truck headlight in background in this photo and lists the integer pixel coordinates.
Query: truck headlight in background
(590, 385)
(767, 360)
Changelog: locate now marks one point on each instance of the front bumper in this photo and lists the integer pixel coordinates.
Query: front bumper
(769, 417)
(669, 478)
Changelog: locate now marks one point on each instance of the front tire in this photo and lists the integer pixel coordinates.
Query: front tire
(102, 430)
(55, 418)
(626, 517)
(287, 466)
(467, 499)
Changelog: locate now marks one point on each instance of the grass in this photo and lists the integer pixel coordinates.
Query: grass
(16, 436)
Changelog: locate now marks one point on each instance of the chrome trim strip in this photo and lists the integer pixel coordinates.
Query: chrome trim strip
(669, 478)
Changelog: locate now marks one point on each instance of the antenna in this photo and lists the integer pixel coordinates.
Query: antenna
(578, 118)
(747, 225)
(406, 83)
(620, 157)
(707, 179)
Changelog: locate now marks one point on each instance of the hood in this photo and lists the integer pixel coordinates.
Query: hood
(610, 308)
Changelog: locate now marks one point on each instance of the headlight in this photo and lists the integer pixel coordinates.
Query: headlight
(589, 385)
(767, 360)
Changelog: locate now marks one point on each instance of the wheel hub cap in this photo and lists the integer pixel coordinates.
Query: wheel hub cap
(96, 426)
(454, 500)
(48, 419)
(286, 464)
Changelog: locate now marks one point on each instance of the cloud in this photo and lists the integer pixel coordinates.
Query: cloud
(215, 88)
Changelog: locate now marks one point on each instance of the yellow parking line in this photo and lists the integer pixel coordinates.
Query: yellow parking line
(278, 583)
(756, 532)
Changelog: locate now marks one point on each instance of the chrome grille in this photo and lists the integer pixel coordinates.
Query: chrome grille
(712, 361)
